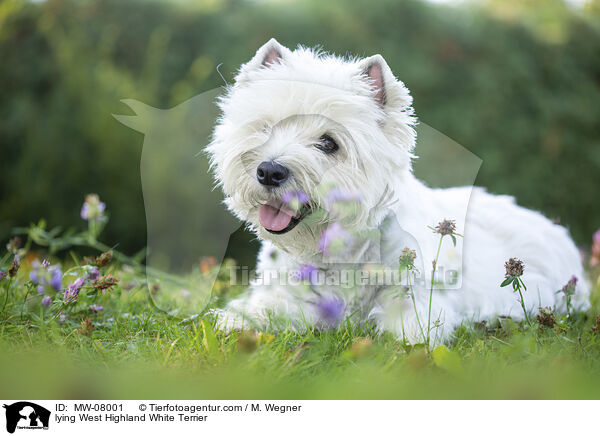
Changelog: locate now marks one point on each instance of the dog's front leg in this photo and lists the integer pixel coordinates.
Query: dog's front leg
(270, 306)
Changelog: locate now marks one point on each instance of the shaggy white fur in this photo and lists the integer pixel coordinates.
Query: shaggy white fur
(281, 105)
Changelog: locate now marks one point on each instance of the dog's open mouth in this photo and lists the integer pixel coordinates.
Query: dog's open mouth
(278, 218)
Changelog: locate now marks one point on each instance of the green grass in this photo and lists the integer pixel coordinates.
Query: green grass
(158, 342)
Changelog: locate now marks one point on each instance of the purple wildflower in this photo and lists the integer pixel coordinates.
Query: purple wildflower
(93, 273)
(185, 293)
(331, 310)
(71, 294)
(62, 317)
(85, 211)
(93, 208)
(308, 272)
(56, 277)
(2, 274)
(295, 199)
(337, 195)
(595, 259)
(569, 288)
(96, 308)
(41, 290)
(45, 263)
(46, 301)
(300, 196)
(33, 276)
(332, 237)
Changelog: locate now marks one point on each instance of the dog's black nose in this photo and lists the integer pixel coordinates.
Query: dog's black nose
(271, 173)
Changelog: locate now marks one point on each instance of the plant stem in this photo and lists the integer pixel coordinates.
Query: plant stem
(431, 290)
(25, 301)
(523, 306)
(7, 292)
(412, 296)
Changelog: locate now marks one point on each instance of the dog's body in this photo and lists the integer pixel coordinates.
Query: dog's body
(297, 121)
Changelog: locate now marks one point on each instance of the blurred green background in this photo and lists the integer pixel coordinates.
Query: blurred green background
(517, 83)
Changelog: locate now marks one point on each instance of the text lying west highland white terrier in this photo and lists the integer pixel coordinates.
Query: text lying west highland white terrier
(314, 152)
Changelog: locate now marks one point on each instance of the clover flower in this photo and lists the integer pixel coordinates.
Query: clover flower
(569, 288)
(596, 326)
(568, 291)
(46, 300)
(514, 268)
(93, 209)
(14, 268)
(86, 327)
(101, 284)
(334, 238)
(446, 227)
(546, 317)
(104, 259)
(407, 258)
(330, 310)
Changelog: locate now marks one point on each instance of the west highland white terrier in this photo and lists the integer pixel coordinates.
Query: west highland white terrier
(314, 152)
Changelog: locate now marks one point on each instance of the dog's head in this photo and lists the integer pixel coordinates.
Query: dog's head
(300, 129)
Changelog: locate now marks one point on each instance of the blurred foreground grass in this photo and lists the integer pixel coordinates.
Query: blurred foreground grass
(149, 356)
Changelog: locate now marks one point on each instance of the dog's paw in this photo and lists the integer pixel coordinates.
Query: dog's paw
(230, 321)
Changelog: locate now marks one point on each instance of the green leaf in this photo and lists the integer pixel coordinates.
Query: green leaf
(209, 340)
(523, 284)
(507, 281)
(447, 360)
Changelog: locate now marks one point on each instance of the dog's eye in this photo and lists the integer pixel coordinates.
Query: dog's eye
(326, 144)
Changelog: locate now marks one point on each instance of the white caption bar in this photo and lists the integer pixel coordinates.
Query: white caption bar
(24, 417)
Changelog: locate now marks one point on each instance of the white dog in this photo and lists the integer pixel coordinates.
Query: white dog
(303, 132)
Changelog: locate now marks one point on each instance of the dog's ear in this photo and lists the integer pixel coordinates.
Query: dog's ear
(373, 69)
(268, 55)
(388, 91)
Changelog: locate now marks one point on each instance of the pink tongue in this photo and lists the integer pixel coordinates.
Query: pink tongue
(275, 217)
